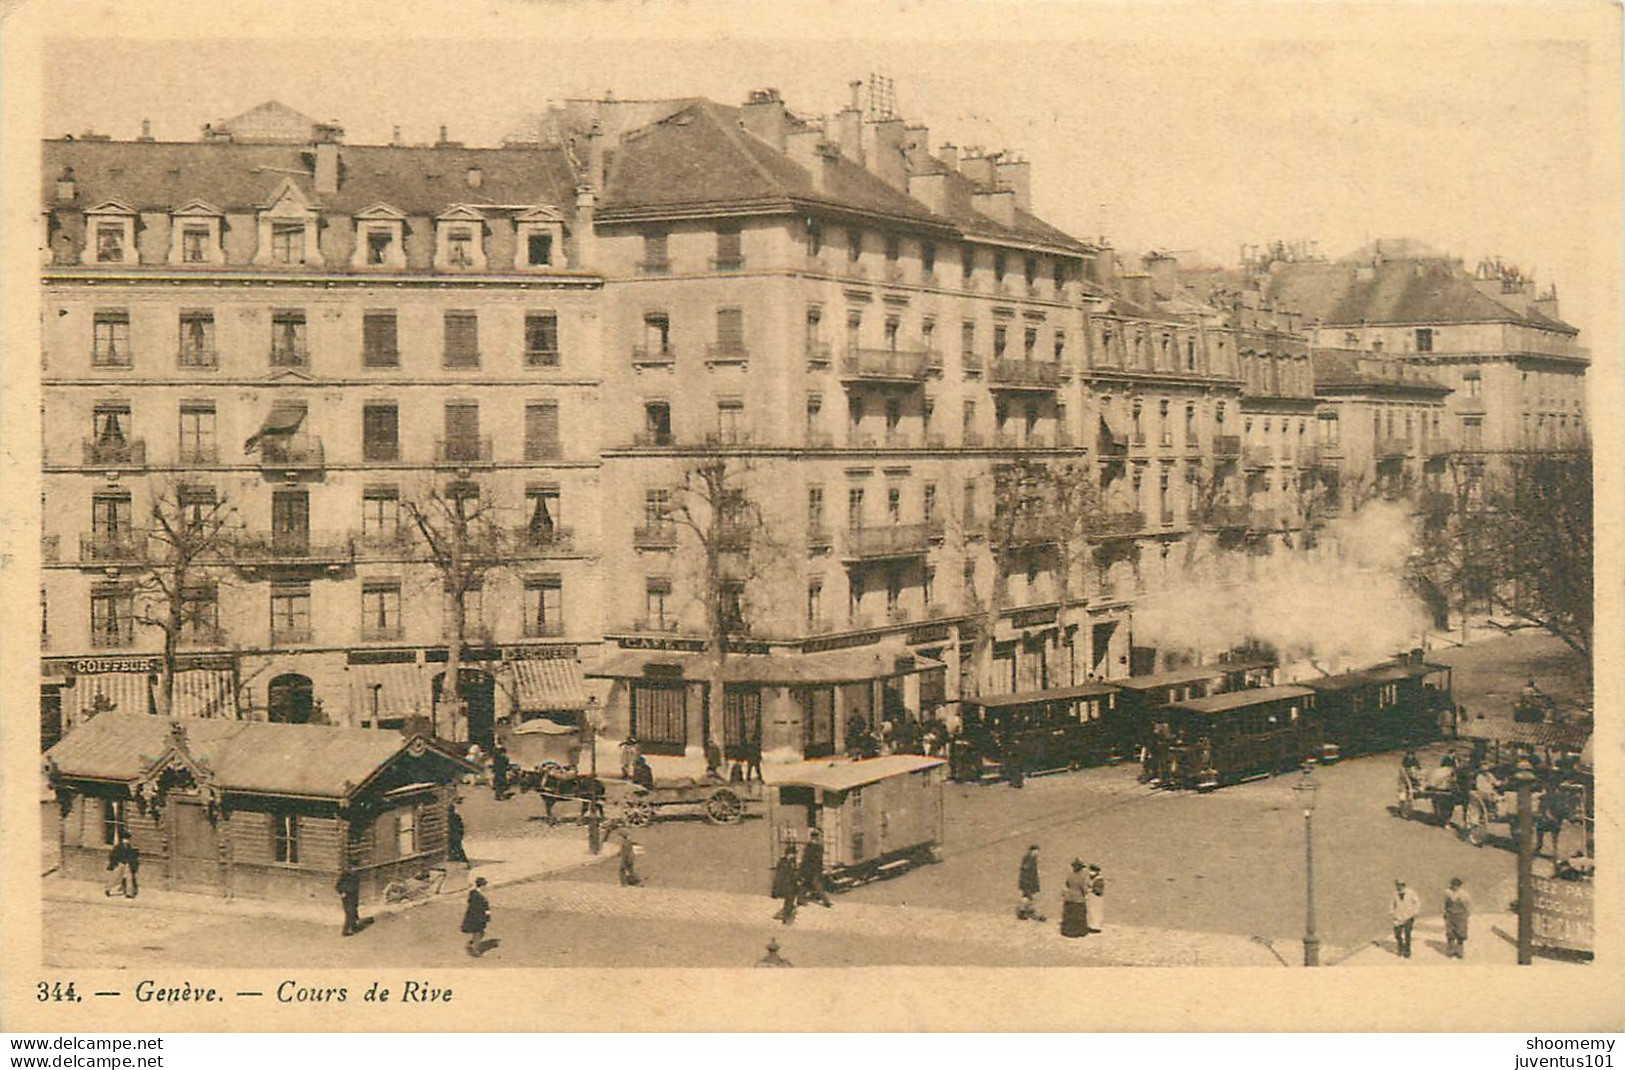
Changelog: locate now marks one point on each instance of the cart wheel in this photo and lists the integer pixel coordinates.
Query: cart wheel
(1478, 823)
(724, 807)
(637, 813)
(1407, 799)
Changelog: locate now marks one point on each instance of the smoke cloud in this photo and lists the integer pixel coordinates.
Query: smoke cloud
(1343, 605)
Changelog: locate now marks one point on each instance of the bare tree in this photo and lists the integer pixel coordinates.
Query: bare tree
(466, 542)
(183, 557)
(1449, 567)
(1538, 543)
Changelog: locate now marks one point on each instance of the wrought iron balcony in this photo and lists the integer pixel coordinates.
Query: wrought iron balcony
(818, 537)
(654, 355)
(555, 541)
(115, 453)
(373, 632)
(299, 452)
(289, 635)
(192, 356)
(290, 356)
(1226, 517)
(818, 355)
(1392, 447)
(889, 540)
(1258, 456)
(649, 440)
(1226, 447)
(462, 451)
(198, 454)
(884, 365)
(391, 545)
(1030, 530)
(114, 637)
(971, 362)
(111, 547)
(202, 635)
(655, 537)
(295, 548)
(1025, 374)
(716, 439)
(726, 353)
(543, 629)
(1116, 525)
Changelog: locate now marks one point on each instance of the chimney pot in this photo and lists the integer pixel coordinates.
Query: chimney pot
(856, 88)
(444, 134)
(395, 136)
(146, 129)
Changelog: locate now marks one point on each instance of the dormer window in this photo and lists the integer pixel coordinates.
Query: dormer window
(111, 227)
(459, 240)
(540, 238)
(380, 238)
(195, 235)
(287, 230)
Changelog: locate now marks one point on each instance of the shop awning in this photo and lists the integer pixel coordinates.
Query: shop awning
(549, 684)
(112, 692)
(204, 693)
(390, 692)
(825, 667)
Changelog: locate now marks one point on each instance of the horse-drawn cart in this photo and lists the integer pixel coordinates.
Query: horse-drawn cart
(722, 803)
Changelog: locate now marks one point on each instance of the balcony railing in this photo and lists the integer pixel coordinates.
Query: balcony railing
(544, 450)
(114, 638)
(818, 354)
(542, 358)
(971, 362)
(291, 636)
(1226, 447)
(295, 356)
(295, 548)
(111, 548)
(818, 537)
(543, 629)
(1116, 525)
(1024, 530)
(198, 357)
(1227, 517)
(650, 440)
(727, 263)
(890, 540)
(462, 451)
(198, 454)
(297, 451)
(1025, 374)
(655, 537)
(727, 438)
(726, 353)
(50, 548)
(1392, 447)
(115, 452)
(374, 632)
(387, 544)
(557, 540)
(884, 365)
(1258, 456)
(653, 355)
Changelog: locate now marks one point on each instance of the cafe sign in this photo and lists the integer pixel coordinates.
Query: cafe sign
(1563, 914)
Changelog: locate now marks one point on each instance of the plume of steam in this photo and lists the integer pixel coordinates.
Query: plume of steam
(1344, 605)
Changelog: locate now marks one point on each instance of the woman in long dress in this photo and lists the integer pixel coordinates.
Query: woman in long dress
(1097, 901)
(1075, 902)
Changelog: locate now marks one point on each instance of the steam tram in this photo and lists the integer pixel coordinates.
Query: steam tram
(1045, 731)
(1207, 742)
(1394, 705)
(1142, 696)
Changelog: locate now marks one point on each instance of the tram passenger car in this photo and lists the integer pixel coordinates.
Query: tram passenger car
(877, 816)
(1397, 704)
(1063, 728)
(1141, 698)
(1222, 739)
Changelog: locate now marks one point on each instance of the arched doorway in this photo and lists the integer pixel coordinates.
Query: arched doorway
(479, 690)
(289, 699)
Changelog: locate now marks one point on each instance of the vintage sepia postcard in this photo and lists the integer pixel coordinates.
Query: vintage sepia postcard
(1038, 516)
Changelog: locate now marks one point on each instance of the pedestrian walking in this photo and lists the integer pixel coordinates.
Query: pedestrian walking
(713, 760)
(812, 871)
(348, 887)
(476, 917)
(629, 756)
(1075, 902)
(629, 861)
(1402, 911)
(454, 836)
(643, 774)
(123, 860)
(1458, 907)
(500, 764)
(786, 885)
(1097, 899)
(1027, 884)
(1010, 760)
(753, 760)
(773, 958)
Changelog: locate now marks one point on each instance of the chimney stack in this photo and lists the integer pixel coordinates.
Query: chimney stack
(595, 156)
(802, 146)
(1017, 173)
(949, 155)
(67, 189)
(997, 204)
(930, 190)
(584, 232)
(444, 139)
(884, 155)
(395, 136)
(849, 131)
(764, 116)
(978, 167)
(146, 130)
(1164, 271)
(917, 147)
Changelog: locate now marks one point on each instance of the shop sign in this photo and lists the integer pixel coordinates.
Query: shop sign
(1563, 914)
(1032, 618)
(91, 666)
(538, 653)
(839, 642)
(655, 642)
(471, 653)
(931, 633)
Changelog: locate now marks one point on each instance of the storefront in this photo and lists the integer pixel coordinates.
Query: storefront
(74, 690)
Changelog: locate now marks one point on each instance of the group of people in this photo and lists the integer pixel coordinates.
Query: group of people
(799, 879)
(896, 734)
(1083, 899)
(1405, 906)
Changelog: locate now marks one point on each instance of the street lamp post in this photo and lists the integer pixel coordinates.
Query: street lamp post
(1524, 778)
(1306, 790)
(595, 842)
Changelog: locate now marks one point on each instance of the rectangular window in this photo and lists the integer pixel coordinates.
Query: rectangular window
(815, 238)
(854, 244)
(970, 502)
(287, 243)
(815, 602)
(379, 239)
(730, 251)
(110, 347)
(285, 838)
(1473, 383)
(462, 425)
(197, 348)
(112, 615)
(659, 716)
(1031, 273)
(1000, 264)
(967, 263)
(544, 607)
(194, 245)
(460, 246)
(380, 513)
(656, 508)
(1424, 339)
(655, 258)
(656, 611)
(854, 508)
(854, 331)
(1472, 433)
(110, 243)
(730, 330)
(542, 431)
(542, 512)
(656, 424)
(290, 521)
(894, 505)
(380, 433)
(199, 505)
(815, 510)
(290, 613)
(656, 334)
(731, 421)
(197, 432)
(110, 517)
(539, 249)
(381, 609)
(815, 417)
(1000, 341)
(288, 349)
(928, 258)
(462, 340)
(406, 832)
(379, 340)
(113, 823)
(1060, 346)
(1029, 343)
(542, 339)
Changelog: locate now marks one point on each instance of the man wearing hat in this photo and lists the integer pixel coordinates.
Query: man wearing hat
(629, 757)
(1027, 884)
(812, 870)
(1402, 911)
(773, 958)
(476, 917)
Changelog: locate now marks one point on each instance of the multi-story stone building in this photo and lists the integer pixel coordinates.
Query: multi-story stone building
(1381, 428)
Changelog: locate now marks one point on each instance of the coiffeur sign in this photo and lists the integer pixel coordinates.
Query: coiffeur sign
(1563, 914)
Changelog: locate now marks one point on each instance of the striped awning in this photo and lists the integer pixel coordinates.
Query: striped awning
(204, 693)
(125, 692)
(391, 692)
(549, 684)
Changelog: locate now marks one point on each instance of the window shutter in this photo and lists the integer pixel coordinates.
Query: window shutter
(542, 430)
(462, 340)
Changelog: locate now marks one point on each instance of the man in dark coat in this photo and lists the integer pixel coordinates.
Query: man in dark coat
(1027, 884)
(643, 774)
(348, 886)
(713, 760)
(454, 836)
(629, 861)
(786, 885)
(812, 871)
(500, 764)
(753, 760)
(476, 917)
(123, 860)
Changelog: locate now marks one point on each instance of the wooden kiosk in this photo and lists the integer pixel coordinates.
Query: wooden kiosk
(877, 815)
